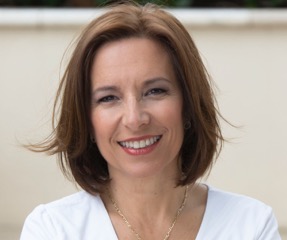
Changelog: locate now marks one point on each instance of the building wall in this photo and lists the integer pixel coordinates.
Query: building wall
(247, 62)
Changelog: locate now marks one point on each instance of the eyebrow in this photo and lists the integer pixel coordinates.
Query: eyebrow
(105, 89)
(113, 88)
(156, 79)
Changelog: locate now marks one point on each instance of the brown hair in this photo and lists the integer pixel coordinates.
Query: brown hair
(71, 139)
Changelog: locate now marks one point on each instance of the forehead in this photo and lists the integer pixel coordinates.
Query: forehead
(139, 47)
(131, 58)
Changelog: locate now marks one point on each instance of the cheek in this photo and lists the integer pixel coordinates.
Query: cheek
(171, 112)
(101, 122)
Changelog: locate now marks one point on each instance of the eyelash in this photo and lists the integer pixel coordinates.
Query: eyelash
(153, 91)
(156, 91)
(106, 99)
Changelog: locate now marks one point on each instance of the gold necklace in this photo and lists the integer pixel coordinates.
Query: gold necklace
(134, 231)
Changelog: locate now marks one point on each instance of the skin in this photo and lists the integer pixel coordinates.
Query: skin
(136, 97)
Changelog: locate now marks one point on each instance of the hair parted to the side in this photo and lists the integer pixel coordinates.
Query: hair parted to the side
(78, 155)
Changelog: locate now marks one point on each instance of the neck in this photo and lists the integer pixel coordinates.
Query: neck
(161, 182)
(143, 186)
(150, 192)
(167, 235)
(156, 201)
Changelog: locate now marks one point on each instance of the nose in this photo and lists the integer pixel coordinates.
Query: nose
(135, 115)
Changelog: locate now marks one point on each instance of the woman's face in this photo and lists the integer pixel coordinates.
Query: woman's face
(136, 108)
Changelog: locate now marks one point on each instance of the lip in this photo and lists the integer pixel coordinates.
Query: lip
(143, 150)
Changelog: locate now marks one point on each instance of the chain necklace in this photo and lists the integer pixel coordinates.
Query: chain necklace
(134, 231)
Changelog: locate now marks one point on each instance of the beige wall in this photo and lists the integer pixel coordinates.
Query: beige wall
(248, 64)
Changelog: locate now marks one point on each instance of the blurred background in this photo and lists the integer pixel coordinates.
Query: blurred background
(168, 3)
(244, 47)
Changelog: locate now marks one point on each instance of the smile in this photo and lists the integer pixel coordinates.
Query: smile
(140, 144)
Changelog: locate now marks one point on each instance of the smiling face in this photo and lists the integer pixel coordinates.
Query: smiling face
(136, 110)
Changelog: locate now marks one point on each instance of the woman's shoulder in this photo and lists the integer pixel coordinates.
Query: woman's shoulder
(73, 202)
(77, 204)
(231, 205)
(78, 198)
(71, 216)
(220, 197)
(230, 214)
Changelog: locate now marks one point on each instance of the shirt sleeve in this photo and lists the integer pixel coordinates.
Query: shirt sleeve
(38, 226)
(268, 229)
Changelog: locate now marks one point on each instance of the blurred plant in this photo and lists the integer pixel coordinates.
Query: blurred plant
(168, 3)
(239, 3)
(38, 3)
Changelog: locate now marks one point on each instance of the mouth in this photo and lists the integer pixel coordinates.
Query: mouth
(143, 143)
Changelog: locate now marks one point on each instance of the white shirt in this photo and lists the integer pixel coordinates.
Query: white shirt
(82, 216)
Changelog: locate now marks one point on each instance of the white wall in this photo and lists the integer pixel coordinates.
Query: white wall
(247, 62)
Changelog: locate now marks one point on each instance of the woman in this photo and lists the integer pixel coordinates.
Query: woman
(138, 127)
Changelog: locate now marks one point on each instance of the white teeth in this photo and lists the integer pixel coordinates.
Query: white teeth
(147, 142)
(141, 143)
(136, 145)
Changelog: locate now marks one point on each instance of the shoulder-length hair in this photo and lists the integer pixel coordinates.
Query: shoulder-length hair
(79, 156)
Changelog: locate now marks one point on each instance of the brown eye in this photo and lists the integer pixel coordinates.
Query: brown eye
(155, 91)
(109, 98)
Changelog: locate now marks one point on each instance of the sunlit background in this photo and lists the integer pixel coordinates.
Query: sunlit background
(244, 46)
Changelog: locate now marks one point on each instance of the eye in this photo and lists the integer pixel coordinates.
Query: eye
(107, 99)
(156, 91)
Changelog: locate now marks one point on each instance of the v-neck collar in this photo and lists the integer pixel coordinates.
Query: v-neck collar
(204, 219)
(109, 228)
